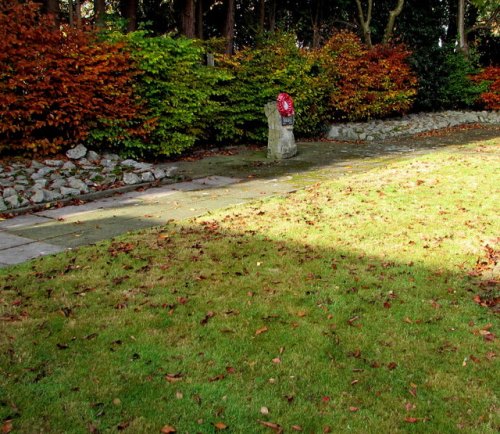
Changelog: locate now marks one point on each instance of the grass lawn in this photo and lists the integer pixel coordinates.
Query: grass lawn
(355, 305)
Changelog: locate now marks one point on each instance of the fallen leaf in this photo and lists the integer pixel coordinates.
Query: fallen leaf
(173, 378)
(216, 378)
(276, 360)
(123, 426)
(327, 430)
(411, 419)
(7, 427)
(301, 313)
(264, 410)
(392, 365)
(353, 409)
(274, 426)
(261, 330)
(220, 425)
(209, 315)
(168, 429)
(296, 427)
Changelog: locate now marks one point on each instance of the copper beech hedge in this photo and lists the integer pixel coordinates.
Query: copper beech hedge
(57, 83)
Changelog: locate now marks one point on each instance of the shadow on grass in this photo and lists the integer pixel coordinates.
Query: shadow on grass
(193, 325)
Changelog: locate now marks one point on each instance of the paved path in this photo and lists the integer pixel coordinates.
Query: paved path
(212, 183)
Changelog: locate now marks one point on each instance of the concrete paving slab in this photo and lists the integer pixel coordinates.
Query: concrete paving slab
(216, 181)
(20, 254)
(186, 186)
(73, 210)
(22, 220)
(47, 231)
(8, 240)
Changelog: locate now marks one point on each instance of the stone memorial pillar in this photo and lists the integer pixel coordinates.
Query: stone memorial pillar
(281, 142)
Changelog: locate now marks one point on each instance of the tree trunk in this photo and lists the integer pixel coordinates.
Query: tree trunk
(199, 19)
(365, 21)
(228, 32)
(188, 13)
(451, 31)
(392, 20)
(52, 7)
(316, 24)
(272, 16)
(78, 14)
(462, 38)
(99, 12)
(262, 15)
(128, 10)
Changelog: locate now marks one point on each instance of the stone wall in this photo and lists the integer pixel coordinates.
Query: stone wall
(408, 125)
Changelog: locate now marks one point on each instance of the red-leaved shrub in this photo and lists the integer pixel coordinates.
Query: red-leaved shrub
(491, 98)
(58, 83)
(371, 83)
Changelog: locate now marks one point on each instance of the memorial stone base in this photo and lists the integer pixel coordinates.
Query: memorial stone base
(281, 141)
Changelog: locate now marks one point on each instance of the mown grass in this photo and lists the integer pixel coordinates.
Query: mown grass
(346, 307)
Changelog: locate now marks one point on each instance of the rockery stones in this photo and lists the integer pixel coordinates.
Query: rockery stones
(25, 183)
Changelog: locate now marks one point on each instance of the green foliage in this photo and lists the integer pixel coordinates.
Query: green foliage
(258, 75)
(179, 90)
(443, 79)
(457, 91)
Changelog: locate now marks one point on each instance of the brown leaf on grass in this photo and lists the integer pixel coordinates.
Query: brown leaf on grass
(353, 409)
(296, 427)
(412, 419)
(352, 320)
(276, 360)
(173, 378)
(167, 429)
(216, 378)
(261, 330)
(220, 426)
(327, 430)
(209, 315)
(230, 370)
(392, 365)
(274, 426)
(7, 426)
(123, 426)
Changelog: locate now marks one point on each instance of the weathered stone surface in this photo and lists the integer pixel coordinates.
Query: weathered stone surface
(68, 165)
(171, 171)
(53, 163)
(159, 173)
(281, 141)
(68, 191)
(77, 152)
(9, 191)
(147, 177)
(131, 178)
(408, 125)
(3, 207)
(93, 156)
(38, 196)
(129, 163)
(78, 184)
(107, 162)
(12, 201)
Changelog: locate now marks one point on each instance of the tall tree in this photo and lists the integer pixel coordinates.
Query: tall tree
(228, 32)
(128, 10)
(188, 18)
(99, 12)
(365, 21)
(392, 21)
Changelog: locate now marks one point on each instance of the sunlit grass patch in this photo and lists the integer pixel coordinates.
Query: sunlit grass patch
(347, 305)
